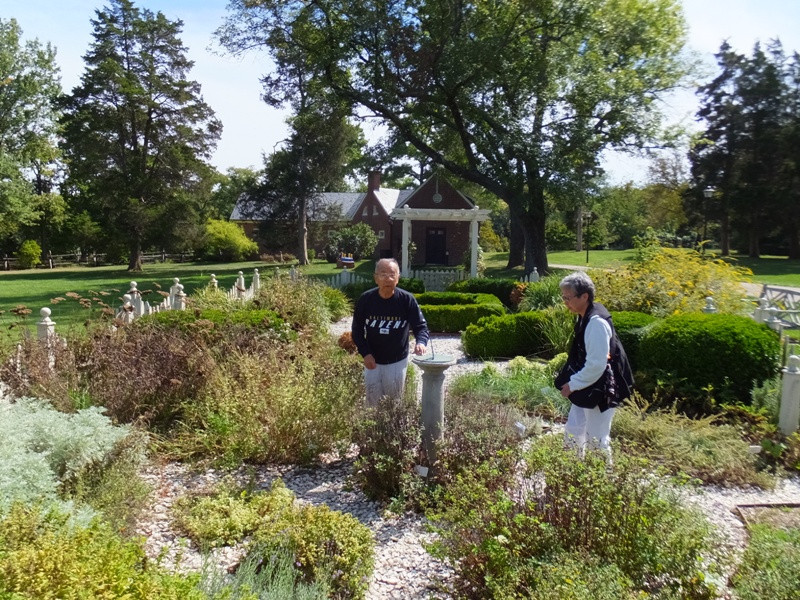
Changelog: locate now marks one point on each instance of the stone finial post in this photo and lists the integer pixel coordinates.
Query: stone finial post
(46, 329)
(789, 420)
(293, 273)
(773, 321)
(173, 289)
(213, 283)
(240, 286)
(136, 298)
(761, 312)
(126, 314)
(256, 281)
(709, 308)
(46, 332)
(179, 300)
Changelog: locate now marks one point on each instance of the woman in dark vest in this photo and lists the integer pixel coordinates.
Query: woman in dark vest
(584, 379)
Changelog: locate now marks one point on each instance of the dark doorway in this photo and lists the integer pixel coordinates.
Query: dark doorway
(436, 246)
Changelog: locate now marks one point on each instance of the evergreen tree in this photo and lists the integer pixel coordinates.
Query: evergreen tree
(137, 132)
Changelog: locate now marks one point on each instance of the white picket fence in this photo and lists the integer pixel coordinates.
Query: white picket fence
(134, 306)
(778, 307)
(435, 280)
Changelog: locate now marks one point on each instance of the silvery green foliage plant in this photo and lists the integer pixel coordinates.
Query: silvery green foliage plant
(40, 448)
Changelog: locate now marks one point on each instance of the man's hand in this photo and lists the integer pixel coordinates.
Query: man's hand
(369, 362)
(565, 391)
(420, 349)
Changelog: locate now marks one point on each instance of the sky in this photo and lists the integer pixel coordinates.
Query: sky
(231, 85)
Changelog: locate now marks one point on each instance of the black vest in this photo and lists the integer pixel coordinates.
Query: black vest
(616, 382)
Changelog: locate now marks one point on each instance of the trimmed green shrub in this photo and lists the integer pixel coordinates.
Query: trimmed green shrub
(726, 354)
(506, 336)
(409, 284)
(501, 288)
(29, 254)
(251, 319)
(631, 327)
(441, 298)
(455, 318)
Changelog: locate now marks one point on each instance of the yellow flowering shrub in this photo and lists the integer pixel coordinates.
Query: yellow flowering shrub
(669, 281)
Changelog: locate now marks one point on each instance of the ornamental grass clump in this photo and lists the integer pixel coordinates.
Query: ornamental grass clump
(668, 281)
(497, 540)
(701, 449)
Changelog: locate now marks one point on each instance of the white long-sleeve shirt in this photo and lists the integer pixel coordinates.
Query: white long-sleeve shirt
(597, 338)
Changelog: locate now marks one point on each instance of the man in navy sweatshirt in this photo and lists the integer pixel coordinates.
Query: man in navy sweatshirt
(381, 322)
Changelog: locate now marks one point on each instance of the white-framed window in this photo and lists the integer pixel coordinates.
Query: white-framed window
(375, 211)
(381, 234)
(365, 212)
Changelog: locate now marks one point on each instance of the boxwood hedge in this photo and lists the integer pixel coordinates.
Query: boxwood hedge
(501, 288)
(452, 318)
(727, 353)
(631, 327)
(506, 336)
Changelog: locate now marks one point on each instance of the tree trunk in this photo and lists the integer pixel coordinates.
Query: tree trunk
(794, 242)
(302, 239)
(725, 230)
(535, 246)
(516, 242)
(754, 250)
(135, 259)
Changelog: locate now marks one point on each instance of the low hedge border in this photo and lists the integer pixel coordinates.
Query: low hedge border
(506, 336)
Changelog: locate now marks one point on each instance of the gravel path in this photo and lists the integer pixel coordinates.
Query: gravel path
(403, 568)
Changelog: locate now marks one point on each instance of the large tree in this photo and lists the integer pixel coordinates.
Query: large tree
(137, 132)
(531, 91)
(29, 85)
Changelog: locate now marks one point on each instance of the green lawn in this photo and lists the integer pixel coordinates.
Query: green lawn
(36, 288)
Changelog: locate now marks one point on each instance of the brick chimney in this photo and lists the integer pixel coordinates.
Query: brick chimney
(373, 181)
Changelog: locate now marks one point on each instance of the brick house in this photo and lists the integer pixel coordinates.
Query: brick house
(441, 221)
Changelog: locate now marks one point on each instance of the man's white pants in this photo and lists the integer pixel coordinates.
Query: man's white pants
(385, 380)
(588, 427)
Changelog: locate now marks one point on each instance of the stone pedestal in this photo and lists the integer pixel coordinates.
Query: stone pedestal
(433, 368)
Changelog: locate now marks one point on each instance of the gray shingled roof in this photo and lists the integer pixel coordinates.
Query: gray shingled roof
(347, 201)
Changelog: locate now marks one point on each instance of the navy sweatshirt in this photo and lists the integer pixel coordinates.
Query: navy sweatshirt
(381, 326)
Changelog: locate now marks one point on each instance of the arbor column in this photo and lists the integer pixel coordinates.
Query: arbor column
(473, 234)
(406, 238)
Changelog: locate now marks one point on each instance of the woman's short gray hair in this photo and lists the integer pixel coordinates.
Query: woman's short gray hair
(580, 283)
